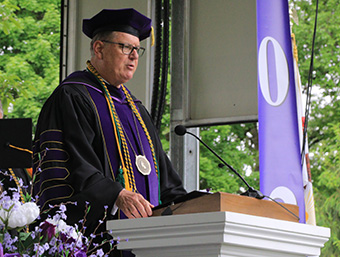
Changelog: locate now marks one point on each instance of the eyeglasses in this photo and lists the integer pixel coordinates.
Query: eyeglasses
(128, 49)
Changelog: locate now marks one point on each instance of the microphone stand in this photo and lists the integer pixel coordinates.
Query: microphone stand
(251, 192)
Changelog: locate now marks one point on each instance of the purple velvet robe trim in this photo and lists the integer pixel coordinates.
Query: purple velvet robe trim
(150, 189)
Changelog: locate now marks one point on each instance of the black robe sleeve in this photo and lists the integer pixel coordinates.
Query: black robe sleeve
(73, 161)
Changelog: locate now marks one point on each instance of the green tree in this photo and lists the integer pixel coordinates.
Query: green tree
(8, 17)
(29, 62)
(237, 145)
(323, 129)
(8, 84)
(327, 189)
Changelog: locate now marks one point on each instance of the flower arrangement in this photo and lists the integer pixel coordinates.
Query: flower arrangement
(51, 237)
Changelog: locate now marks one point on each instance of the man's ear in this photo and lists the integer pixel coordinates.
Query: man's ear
(98, 47)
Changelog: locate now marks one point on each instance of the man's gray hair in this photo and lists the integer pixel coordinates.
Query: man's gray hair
(105, 35)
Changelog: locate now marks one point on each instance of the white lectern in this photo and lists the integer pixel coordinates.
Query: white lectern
(218, 234)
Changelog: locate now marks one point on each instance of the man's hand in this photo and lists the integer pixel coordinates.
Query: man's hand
(133, 205)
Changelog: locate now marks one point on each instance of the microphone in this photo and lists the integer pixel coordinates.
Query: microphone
(181, 130)
(251, 192)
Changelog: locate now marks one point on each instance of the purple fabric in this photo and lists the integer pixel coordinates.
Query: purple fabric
(279, 150)
(56, 173)
(126, 116)
(52, 135)
(62, 191)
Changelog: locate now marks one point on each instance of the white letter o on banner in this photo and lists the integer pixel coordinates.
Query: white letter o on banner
(285, 194)
(282, 73)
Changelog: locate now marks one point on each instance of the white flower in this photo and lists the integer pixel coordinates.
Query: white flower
(17, 219)
(31, 211)
(70, 231)
(62, 226)
(23, 215)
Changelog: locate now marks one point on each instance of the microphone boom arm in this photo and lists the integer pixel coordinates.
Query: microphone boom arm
(251, 191)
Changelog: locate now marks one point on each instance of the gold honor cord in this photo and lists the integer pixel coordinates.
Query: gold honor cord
(121, 142)
(125, 157)
(20, 190)
(17, 183)
(20, 149)
(13, 174)
(127, 182)
(136, 112)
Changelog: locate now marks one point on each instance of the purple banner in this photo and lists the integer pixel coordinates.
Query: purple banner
(279, 149)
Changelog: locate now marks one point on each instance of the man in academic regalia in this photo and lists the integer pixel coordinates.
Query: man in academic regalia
(95, 143)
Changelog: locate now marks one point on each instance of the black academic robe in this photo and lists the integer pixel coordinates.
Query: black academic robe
(70, 157)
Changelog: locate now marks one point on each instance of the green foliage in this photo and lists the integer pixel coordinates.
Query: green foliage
(327, 192)
(165, 125)
(29, 59)
(323, 129)
(326, 69)
(8, 18)
(237, 145)
(7, 91)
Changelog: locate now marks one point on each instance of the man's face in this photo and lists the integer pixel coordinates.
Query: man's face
(118, 67)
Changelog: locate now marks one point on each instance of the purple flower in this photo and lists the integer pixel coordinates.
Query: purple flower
(64, 238)
(100, 253)
(12, 255)
(52, 250)
(63, 208)
(47, 230)
(80, 253)
(9, 241)
(16, 196)
(39, 249)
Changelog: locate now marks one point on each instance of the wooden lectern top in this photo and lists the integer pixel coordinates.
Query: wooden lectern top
(221, 202)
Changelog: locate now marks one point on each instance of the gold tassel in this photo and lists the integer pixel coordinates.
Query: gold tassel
(152, 36)
(126, 179)
(295, 51)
